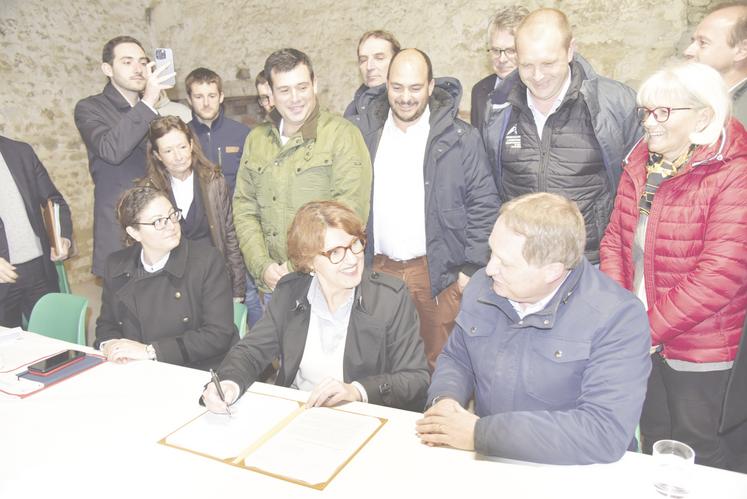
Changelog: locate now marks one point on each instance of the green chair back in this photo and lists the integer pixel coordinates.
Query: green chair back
(239, 318)
(61, 316)
(62, 278)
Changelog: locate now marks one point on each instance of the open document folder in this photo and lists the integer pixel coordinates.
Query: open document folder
(279, 437)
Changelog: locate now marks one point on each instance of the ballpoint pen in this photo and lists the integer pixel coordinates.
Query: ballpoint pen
(216, 382)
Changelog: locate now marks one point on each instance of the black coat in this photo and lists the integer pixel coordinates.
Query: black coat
(480, 93)
(36, 187)
(114, 134)
(383, 349)
(185, 311)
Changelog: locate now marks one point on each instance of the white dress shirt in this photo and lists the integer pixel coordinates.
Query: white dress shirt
(399, 190)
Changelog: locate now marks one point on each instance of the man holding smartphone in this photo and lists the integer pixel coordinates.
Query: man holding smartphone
(113, 125)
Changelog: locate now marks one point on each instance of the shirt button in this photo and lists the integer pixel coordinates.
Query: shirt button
(546, 322)
(473, 330)
(521, 322)
(178, 295)
(185, 319)
(558, 354)
(120, 323)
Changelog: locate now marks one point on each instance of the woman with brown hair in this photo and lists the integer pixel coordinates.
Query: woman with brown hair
(177, 166)
(342, 333)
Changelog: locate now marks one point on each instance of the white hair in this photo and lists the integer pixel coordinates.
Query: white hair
(690, 84)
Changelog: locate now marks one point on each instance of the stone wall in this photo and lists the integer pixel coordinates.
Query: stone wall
(51, 55)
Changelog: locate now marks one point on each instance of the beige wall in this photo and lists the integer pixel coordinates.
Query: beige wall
(51, 54)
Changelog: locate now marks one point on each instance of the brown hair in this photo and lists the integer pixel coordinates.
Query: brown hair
(203, 75)
(131, 203)
(738, 31)
(107, 54)
(156, 173)
(552, 226)
(285, 60)
(306, 233)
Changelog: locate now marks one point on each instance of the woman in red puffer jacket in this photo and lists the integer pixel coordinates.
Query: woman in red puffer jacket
(677, 238)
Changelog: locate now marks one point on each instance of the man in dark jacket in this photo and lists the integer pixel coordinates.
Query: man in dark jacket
(556, 126)
(555, 353)
(502, 50)
(113, 125)
(434, 201)
(26, 269)
(375, 52)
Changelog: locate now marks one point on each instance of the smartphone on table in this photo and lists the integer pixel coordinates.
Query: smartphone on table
(52, 364)
(165, 57)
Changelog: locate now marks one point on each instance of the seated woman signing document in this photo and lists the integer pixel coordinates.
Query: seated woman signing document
(342, 333)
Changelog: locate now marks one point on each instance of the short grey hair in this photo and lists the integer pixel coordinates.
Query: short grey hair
(507, 18)
(690, 84)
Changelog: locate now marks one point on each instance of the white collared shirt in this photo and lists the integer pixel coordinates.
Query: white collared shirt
(184, 192)
(533, 308)
(324, 352)
(539, 118)
(399, 190)
(498, 81)
(736, 85)
(155, 111)
(156, 266)
(283, 139)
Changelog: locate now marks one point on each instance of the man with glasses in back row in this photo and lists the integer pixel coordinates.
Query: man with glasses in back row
(502, 50)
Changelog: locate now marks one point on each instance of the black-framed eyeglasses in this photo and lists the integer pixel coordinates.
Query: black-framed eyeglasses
(161, 223)
(497, 52)
(661, 114)
(337, 254)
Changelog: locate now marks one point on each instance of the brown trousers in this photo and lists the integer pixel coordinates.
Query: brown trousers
(436, 314)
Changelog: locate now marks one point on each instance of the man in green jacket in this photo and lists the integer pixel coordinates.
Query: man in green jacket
(302, 154)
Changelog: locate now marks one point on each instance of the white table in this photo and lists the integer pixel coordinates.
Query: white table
(95, 435)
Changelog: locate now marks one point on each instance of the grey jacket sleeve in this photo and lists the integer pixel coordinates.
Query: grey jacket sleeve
(405, 384)
(112, 142)
(453, 376)
(600, 427)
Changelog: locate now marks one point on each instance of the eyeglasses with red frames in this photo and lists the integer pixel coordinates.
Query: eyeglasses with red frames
(661, 114)
(337, 254)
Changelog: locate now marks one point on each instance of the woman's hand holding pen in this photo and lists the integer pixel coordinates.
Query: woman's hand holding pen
(212, 399)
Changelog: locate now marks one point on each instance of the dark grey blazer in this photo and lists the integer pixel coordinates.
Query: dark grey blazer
(36, 187)
(383, 349)
(480, 93)
(114, 134)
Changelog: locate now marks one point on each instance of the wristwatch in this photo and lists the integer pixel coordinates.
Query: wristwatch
(151, 352)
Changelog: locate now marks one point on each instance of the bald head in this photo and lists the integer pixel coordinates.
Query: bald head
(548, 23)
(409, 85)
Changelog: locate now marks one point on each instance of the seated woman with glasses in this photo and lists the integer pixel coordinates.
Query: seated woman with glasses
(165, 298)
(677, 238)
(341, 333)
(177, 166)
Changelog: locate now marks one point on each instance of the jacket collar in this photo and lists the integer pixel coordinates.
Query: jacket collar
(116, 98)
(176, 266)
(545, 318)
(309, 128)
(201, 127)
(299, 302)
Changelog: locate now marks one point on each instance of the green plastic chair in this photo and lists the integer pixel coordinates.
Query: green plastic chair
(61, 316)
(239, 318)
(62, 278)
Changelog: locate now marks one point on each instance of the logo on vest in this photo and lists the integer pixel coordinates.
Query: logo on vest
(513, 139)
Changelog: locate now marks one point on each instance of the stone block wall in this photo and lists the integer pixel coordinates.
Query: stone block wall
(50, 55)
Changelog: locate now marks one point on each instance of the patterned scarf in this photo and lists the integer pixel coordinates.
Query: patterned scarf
(659, 169)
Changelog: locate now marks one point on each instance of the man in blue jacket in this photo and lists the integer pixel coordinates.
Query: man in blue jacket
(555, 353)
(434, 200)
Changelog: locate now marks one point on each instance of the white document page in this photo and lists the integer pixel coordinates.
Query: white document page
(314, 445)
(222, 436)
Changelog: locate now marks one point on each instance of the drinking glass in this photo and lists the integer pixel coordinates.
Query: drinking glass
(673, 467)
